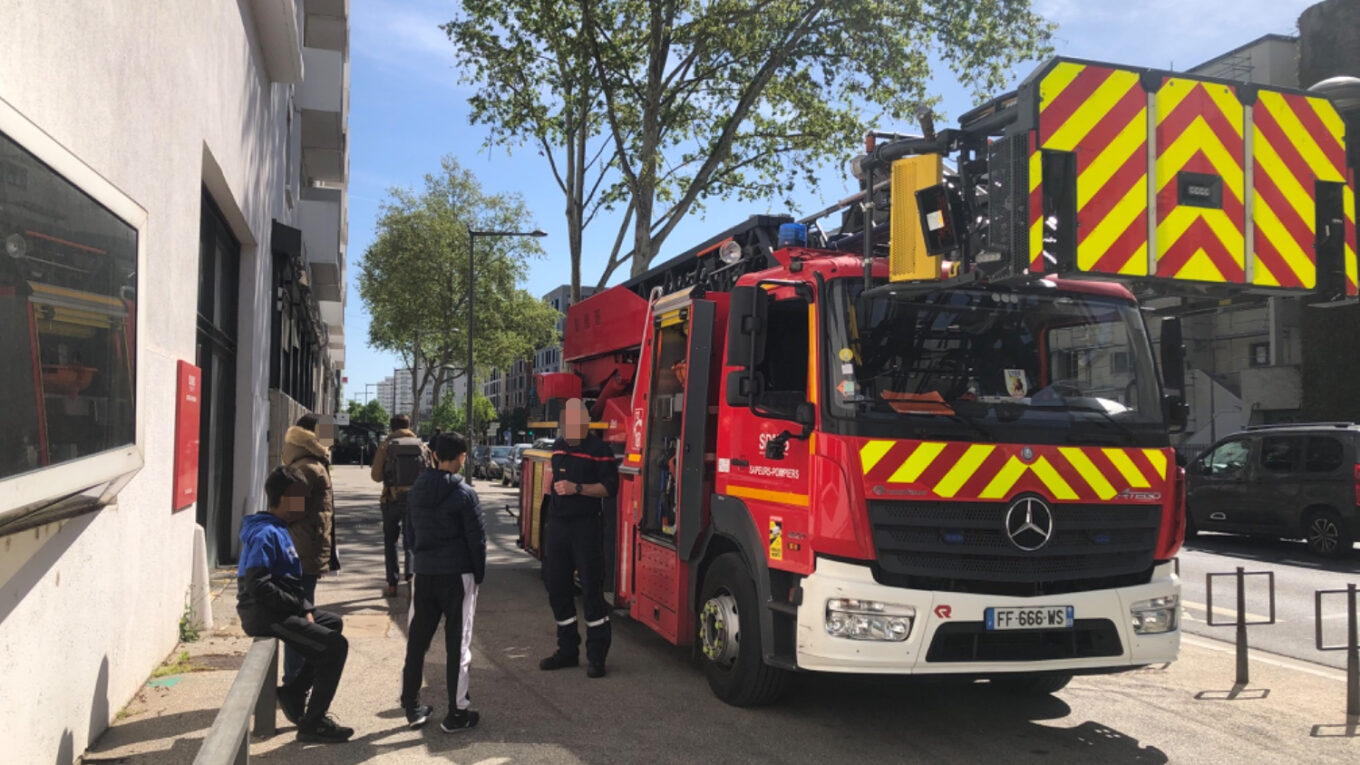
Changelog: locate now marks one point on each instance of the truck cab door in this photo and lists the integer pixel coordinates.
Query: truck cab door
(775, 485)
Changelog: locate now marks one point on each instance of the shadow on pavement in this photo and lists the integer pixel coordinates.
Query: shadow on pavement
(1265, 550)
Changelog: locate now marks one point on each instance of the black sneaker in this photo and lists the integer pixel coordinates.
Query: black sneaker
(293, 702)
(417, 715)
(595, 669)
(558, 661)
(324, 731)
(460, 719)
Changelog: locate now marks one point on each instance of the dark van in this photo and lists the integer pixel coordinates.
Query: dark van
(1296, 481)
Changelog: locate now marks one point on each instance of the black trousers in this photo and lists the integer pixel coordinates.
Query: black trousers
(452, 597)
(396, 522)
(577, 545)
(323, 650)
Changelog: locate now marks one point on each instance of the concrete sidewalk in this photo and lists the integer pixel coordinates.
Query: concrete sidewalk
(655, 705)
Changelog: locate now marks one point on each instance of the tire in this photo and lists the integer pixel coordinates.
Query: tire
(735, 668)
(1041, 684)
(1191, 529)
(1326, 535)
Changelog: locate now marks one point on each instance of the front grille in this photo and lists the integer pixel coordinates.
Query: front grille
(972, 641)
(963, 547)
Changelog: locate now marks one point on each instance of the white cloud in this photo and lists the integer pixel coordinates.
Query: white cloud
(1162, 32)
(405, 37)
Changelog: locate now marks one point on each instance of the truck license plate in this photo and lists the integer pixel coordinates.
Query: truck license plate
(1044, 617)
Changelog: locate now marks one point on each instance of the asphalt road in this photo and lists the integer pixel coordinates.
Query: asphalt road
(1298, 573)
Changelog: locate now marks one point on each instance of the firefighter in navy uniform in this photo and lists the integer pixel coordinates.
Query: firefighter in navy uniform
(584, 473)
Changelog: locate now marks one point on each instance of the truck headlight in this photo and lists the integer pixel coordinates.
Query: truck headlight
(868, 620)
(1155, 616)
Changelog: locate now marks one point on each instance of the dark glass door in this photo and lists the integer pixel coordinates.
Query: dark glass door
(219, 262)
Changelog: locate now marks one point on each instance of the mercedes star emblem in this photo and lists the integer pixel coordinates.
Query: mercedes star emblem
(1029, 523)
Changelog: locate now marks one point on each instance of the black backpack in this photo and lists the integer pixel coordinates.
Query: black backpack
(406, 458)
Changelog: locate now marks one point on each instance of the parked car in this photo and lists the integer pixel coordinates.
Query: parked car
(354, 445)
(511, 476)
(1297, 481)
(498, 462)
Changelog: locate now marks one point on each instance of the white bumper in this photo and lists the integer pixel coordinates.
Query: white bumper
(833, 579)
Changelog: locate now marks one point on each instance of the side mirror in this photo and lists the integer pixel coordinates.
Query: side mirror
(1173, 356)
(804, 414)
(1176, 411)
(746, 325)
(743, 386)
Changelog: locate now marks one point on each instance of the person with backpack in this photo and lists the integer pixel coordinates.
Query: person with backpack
(399, 461)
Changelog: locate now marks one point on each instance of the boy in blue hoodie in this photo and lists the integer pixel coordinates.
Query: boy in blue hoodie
(271, 603)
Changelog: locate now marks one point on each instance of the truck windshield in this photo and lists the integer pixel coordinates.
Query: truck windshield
(1041, 364)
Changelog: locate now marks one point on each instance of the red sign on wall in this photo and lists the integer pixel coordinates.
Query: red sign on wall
(188, 400)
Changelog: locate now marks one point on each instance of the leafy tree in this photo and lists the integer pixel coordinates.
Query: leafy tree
(517, 422)
(451, 414)
(716, 99)
(413, 280)
(546, 98)
(371, 413)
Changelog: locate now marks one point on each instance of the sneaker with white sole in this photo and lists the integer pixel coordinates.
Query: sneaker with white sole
(460, 719)
(417, 715)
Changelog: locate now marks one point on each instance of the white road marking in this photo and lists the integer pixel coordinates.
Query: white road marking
(1228, 612)
(1273, 659)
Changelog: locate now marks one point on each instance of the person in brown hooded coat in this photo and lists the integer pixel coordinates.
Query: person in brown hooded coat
(306, 449)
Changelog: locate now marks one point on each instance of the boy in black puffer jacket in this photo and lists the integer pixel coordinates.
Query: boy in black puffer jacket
(448, 543)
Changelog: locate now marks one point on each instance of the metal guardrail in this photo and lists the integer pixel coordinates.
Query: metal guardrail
(1241, 622)
(252, 694)
(1351, 648)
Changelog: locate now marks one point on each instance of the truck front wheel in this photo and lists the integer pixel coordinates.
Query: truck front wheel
(729, 636)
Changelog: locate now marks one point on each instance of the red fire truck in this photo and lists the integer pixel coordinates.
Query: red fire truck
(935, 439)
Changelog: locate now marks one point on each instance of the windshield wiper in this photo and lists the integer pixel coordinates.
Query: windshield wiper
(1128, 433)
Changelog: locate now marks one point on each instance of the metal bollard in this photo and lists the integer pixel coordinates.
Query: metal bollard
(1351, 647)
(1241, 623)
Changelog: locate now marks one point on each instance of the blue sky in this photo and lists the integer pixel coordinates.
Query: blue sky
(407, 109)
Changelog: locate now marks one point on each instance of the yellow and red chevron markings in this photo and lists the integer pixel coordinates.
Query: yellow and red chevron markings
(1100, 114)
(1297, 141)
(1036, 208)
(963, 471)
(1199, 130)
(1352, 277)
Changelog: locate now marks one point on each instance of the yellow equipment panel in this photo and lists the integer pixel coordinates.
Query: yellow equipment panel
(907, 256)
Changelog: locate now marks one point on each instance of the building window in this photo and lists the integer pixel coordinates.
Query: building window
(68, 305)
(1260, 354)
(70, 249)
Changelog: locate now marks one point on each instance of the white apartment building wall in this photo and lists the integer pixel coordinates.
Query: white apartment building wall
(162, 105)
(387, 395)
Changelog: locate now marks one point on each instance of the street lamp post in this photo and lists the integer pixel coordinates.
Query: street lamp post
(467, 372)
(366, 387)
